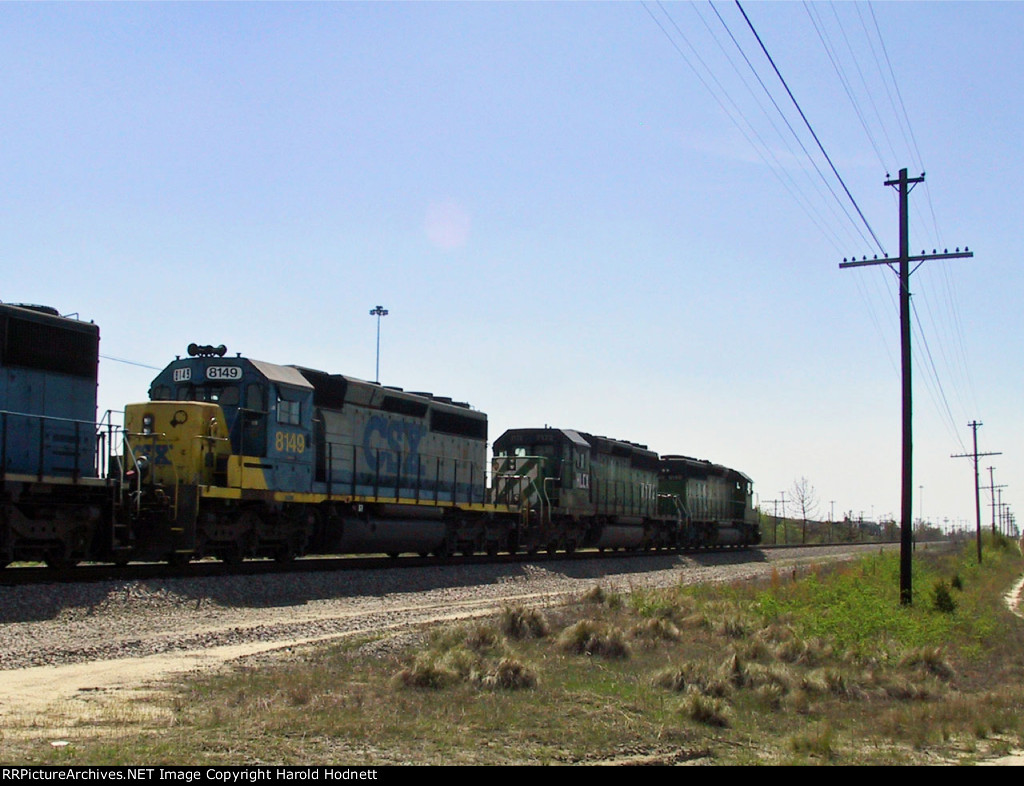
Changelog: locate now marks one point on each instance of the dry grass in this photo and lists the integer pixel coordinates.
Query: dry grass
(829, 669)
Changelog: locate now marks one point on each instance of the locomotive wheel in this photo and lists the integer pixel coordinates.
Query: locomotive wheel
(60, 562)
(284, 554)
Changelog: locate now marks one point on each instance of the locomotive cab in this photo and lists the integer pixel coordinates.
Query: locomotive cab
(263, 414)
(547, 467)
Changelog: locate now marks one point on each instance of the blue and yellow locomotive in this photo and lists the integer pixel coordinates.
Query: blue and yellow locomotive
(249, 458)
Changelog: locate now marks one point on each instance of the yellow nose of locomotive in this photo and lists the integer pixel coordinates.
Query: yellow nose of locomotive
(176, 442)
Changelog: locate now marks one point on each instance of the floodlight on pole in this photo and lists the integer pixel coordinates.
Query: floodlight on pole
(378, 312)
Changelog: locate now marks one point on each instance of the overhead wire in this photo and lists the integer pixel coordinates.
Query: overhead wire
(954, 340)
(783, 137)
(810, 128)
(130, 362)
(953, 344)
(933, 378)
(833, 56)
(879, 53)
(706, 76)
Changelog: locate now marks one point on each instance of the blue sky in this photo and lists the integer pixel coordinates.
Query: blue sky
(585, 215)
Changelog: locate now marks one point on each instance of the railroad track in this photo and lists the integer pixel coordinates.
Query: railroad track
(36, 573)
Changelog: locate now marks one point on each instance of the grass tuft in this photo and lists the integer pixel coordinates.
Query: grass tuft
(588, 637)
(518, 622)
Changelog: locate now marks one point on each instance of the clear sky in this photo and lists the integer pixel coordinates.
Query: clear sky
(584, 215)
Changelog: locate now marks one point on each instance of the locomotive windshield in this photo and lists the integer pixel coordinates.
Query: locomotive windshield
(217, 394)
(548, 450)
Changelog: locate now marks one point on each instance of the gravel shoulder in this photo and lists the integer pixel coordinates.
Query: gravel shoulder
(73, 657)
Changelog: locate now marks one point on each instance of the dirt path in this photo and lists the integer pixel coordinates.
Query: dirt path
(62, 700)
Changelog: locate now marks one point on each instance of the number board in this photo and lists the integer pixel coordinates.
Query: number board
(224, 372)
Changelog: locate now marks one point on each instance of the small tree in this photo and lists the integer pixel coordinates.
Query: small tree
(806, 501)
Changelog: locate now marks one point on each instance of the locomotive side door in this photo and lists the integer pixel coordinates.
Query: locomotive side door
(290, 444)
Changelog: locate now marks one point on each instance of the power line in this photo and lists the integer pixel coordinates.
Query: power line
(810, 128)
(130, 362)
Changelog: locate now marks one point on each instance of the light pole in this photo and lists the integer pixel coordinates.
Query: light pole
(378, 312)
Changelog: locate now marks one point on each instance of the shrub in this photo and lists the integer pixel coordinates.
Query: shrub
(657, 628)
(587, 637)
(942, 600)
(595, 594)
(680, 679)
(521, 623)
(484, 640)
(706, 709)
(601, 596)
(426, 673)
(930, 660)
(510, 674)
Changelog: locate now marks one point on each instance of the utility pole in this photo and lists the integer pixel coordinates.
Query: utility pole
(977, 486)
(775, 528)
(992, 493)
(905, 185)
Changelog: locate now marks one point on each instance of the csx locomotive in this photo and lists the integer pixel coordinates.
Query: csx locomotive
(236, 458)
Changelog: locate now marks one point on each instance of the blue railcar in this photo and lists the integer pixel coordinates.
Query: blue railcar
(53, 498)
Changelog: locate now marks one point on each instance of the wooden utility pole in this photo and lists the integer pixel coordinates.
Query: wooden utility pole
(905, 185)
(992, 493)
(977, 487)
